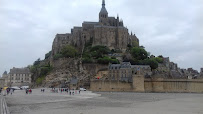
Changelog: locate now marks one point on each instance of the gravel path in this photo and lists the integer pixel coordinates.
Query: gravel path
(104, 103)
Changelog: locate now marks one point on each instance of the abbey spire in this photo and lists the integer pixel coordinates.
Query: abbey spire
(103, 14)
(103, 4)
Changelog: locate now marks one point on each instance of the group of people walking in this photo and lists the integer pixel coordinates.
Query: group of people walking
(71, 92)
(28, 91)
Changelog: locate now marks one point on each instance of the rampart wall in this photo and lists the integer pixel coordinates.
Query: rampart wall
(149, 85)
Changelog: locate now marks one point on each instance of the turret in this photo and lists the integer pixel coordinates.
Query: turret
(121, 23)
(103, 14)
(117, 20)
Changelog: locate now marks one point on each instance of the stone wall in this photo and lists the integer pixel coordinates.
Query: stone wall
(174, 85)
(149, 85)
(101, 85)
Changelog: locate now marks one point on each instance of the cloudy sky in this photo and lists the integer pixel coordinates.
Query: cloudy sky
(172, 28)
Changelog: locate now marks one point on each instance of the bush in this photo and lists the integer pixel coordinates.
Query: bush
(45, 70)
(113, 57)
(69, 51)
(40, 80)
(153, 63)
(139, 53)
(104, 60)
(87, 60)
(100, 49)
(57, 56)
(107, 60)
(159, 59)
(47, 55)
(96, 54)
(114, 61)
(37, 62)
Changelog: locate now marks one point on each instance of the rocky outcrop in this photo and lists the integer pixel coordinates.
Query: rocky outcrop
(66, 68)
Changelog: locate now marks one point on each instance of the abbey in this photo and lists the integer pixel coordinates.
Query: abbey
(109, 31)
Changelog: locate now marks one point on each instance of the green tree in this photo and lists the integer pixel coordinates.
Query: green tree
(48, 55)
(153, 63)
(139, 53)
(69, 51)
(37, 62)
(40, 80)
(87, 60)
(57, 56)
(104, 60)
(100, 49)
(159, 59)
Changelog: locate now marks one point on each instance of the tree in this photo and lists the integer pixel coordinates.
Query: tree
(153, 63)
(100, 49)
(87, 60)
(139, 53)
(48, 55)
(57, 56)
(37, 62)
(69, 51)
(159, 59)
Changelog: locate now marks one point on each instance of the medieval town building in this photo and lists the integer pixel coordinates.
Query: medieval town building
(17, 77)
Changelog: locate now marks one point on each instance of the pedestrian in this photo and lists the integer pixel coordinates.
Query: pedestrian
(11, 91)
(26, 91)
(7, 90)
(70, 92)
(79, 91)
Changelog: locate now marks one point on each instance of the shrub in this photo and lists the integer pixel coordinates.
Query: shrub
(40, 80)
(114, 61)
(57, 56)
(45, 70)
(87, 60)
(47, 55)
(104, 60)
(153, 63)
(139, 53)
(159, 59)
(69, 51)
(107, 60)
(100, 49)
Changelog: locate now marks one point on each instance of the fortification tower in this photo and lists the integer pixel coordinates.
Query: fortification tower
(103, 15)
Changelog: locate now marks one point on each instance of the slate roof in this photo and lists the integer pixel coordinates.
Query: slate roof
(19, 71)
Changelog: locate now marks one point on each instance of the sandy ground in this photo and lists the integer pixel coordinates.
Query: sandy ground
(104, 103)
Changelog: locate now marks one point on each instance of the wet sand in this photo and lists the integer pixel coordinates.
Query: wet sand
(104, 103)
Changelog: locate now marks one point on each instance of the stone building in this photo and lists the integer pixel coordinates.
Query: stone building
(125, 71)
(108, 31)
(18, 77)
(2, 82)
(201, 73)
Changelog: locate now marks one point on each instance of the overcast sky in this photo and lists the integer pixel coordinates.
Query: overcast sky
(172, 28)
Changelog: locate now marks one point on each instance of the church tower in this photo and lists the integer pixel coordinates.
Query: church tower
(103, 15)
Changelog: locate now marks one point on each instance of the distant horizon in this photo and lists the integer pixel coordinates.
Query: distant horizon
(170, 28)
